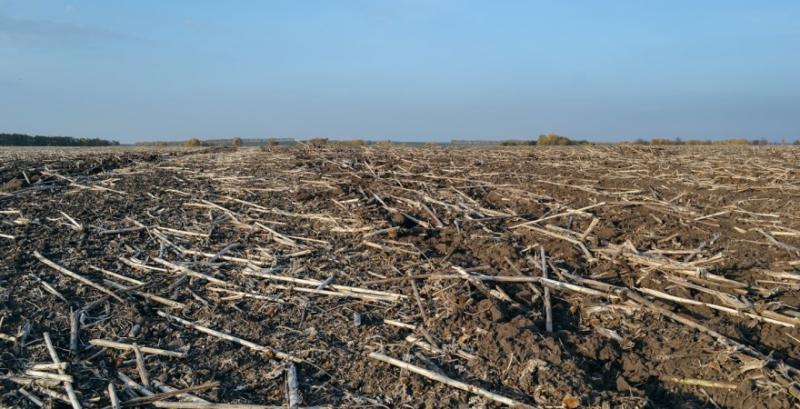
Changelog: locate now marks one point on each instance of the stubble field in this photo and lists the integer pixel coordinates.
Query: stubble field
(387, 276)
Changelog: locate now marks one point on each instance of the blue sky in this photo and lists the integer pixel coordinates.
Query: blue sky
(401, 70)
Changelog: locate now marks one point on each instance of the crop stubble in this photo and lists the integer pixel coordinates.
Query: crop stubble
(386, 276)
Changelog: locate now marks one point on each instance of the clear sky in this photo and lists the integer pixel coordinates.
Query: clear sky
(401, 69)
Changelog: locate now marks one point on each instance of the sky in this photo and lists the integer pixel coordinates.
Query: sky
(405, 70)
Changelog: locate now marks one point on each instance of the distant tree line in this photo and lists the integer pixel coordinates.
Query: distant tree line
(679, 141)
(16, 139)
(551, 139)
(558, 140)
(234, 141)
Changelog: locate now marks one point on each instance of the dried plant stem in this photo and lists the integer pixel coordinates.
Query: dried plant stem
(76, 276)
(701, 383)
(231, 338)
(131, 347)
(112, 396)
(449, 381)
(292, 386)
(140, 365)
(548, 309)
(30, 397)
(73, 398)
(73, 331)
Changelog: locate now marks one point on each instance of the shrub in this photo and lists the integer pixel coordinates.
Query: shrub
(666, 141)
(237, 141)
(740, 141)
(517, 143)
(318, 142)
(271, 143)
(553, 139)
(193, 143)
(797, 142)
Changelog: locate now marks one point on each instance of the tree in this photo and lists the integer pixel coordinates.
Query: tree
(553, 139)
(192, 143)
(237, 141)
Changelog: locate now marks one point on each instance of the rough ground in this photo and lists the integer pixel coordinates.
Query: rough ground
(676, 285)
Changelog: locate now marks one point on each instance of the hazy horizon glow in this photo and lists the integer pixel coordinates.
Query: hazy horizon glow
(402, 70)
